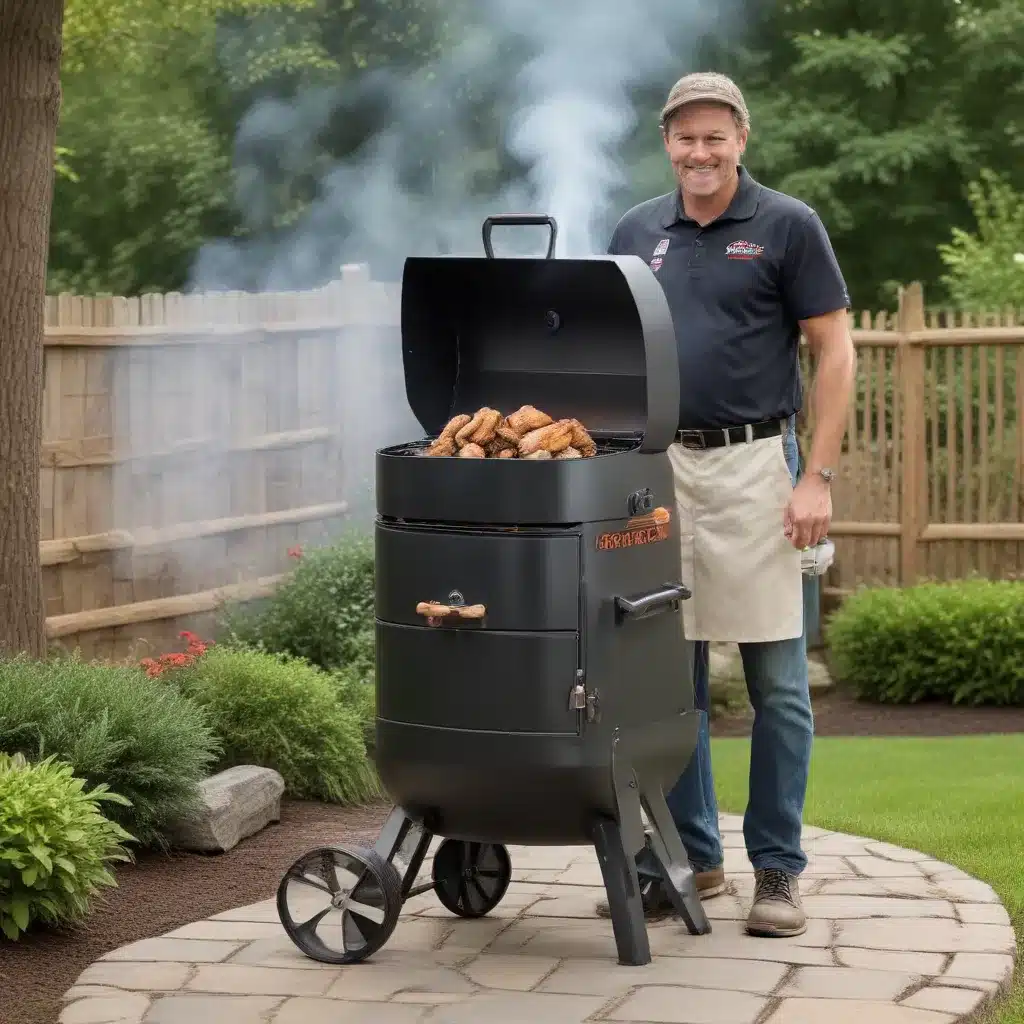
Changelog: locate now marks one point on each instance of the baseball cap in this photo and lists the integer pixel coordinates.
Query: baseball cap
(708, 87)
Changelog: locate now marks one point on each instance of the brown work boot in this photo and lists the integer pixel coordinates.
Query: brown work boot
(656, 902)
(776, 911)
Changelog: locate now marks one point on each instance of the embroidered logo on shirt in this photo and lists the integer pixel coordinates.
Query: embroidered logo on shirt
(741, 250)
(662, 247)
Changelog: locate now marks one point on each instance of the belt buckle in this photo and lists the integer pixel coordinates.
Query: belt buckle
(698, 441)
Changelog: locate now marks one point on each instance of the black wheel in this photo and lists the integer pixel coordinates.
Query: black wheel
(471, 879)
(340, 904)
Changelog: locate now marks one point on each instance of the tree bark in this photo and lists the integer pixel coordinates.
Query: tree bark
(30, 55)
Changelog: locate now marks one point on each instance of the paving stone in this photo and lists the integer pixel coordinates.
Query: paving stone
(946, 1000)
(265, 910)
(277, 952)
(578, 904)
(897, 853)
(982, 913)
(82, 991)
(556, 937)
(379, 982)
(971, 890)
(512, 905)
(452, 933)
(329, 1011)
(927, 936)
(689, 1006)
(186, 951)
(847, 983)
(835, 846)
(875, 867)
(582, 874)
(852, 907)
(541, 875)
(828, 867)
(729, 942)
(521, 1007)
(852, 1011)
(608, 978)
(548, 857)
(922, 964)
(126, 1006)
(238, 979)
(903, 888)
(229, 931)
(982, 966)
(188, 1009)
(516, 973)
(147, 977)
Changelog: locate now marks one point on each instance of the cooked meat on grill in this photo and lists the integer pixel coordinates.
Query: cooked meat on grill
(480, 429)
(445, 443)
(524, 434)
(527, 418)
(552, 438)
(582, 441)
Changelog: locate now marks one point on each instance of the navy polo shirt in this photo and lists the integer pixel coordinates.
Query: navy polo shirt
(737, 289)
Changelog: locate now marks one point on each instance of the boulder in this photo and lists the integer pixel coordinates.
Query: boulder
(234, 804)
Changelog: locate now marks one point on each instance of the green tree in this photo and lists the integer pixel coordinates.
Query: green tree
(985, 267)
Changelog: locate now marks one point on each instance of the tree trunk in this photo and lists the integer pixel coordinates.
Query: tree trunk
(30, 53)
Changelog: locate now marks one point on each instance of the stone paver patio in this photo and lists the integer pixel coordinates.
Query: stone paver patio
(894, 937)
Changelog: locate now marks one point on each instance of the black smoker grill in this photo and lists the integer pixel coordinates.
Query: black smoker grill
(556, 700)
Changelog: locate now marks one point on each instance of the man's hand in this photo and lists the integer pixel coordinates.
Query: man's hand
(809, 512)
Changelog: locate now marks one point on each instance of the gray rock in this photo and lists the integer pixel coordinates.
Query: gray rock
(234, 804)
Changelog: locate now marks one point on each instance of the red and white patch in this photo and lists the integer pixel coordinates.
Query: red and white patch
(741, 250)
(662, 247)
(656, 263)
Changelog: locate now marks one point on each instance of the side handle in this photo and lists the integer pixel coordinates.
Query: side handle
(642, 606)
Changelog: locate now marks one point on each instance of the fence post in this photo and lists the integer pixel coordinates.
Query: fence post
(913, 497)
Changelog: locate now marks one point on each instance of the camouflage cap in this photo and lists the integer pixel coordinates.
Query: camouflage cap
(706, 87)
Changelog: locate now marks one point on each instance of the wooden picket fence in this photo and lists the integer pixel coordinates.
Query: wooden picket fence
(931, 483)
(192, 441)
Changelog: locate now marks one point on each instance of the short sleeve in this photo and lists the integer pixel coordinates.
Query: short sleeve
(812, 280)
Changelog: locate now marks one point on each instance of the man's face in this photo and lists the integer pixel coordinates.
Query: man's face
(704, 146)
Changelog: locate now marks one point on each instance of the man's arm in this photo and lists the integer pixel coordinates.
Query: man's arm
(828, 338)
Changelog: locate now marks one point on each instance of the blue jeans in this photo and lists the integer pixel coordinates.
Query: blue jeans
(780, 753)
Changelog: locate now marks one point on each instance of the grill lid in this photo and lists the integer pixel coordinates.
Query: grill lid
(586, 338)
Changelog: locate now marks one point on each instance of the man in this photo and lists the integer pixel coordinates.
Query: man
(746, 270)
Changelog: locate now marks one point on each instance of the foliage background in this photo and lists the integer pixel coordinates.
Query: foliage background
(884, 117)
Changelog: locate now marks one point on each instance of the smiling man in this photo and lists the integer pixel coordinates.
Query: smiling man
(746, 270)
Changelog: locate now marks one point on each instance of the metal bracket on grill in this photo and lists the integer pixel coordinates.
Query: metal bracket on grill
(641, 606)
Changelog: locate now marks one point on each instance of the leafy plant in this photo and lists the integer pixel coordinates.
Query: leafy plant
(117, 728)
(280, 712)
(956, 642)
(358, 692)
(323, 613)
(55, 844)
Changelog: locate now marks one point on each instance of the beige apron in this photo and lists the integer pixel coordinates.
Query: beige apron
(743, 571)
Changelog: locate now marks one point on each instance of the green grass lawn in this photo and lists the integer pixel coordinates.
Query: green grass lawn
(960, 799)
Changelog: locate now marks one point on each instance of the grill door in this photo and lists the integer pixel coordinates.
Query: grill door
(477, 679)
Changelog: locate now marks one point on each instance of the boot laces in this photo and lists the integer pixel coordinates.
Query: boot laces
(774, 885)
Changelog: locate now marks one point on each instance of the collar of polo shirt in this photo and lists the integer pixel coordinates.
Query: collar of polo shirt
(743, 205)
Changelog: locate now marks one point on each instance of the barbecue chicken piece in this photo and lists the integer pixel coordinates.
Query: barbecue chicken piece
(445, 443)
(480, 429)
(552, 438)
(527, 418)
(568, 453)
(505, 439)
(540, 453)
(507, 453)
(582, 441)
(472, 451)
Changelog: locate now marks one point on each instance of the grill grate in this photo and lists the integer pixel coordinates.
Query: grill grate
(605, 446)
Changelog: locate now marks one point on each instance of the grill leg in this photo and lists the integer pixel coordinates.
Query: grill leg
(394, 834)
(623, 887)
(676, 871)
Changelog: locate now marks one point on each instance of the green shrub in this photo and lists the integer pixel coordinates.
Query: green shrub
(115, 727)
(358, 692)
(956, 642)
(322, 613)
(282, 713)
(55, 844)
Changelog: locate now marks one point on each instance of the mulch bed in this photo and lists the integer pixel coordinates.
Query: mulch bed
(160, 893)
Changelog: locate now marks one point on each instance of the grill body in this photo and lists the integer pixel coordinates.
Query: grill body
(565, 708)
